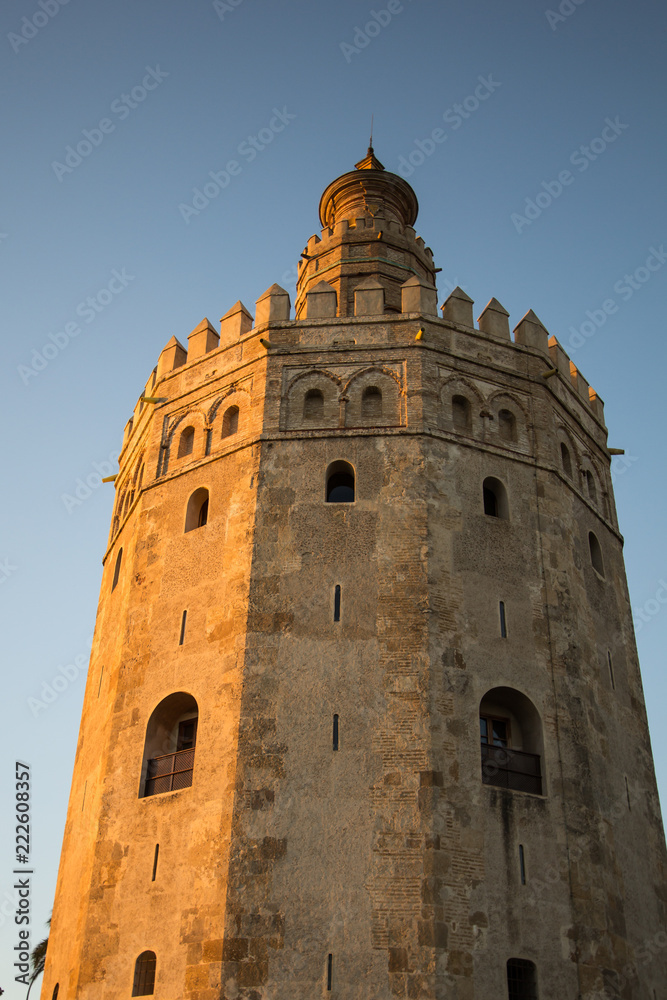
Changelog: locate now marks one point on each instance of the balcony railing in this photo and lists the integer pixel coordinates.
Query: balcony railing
(508, 768)
(170, 772)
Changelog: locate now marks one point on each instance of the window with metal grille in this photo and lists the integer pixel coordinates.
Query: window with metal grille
(144, 975)
(506, 767)
(521, 979)
(170, 772)
(511, 742)
(169, 750)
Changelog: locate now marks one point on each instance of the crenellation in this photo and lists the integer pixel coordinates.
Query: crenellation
(273, 305)
(369, 298)
(173, 355)
(203, 339)
(579, 382)
(419, 296)
(596, 404)
(494, 320)
(321, 301)
(457, 308)
(127, 432)
(236, 322)
(559, 358)
(531, 332)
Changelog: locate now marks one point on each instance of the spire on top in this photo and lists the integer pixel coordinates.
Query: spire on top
(370, 161)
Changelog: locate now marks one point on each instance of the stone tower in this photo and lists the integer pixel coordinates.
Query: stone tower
(364, 716)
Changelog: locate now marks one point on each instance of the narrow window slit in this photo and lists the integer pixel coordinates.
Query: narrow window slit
(522, 864)
(157, 852)
(116, 572)
(335, 732)
(182, 635)
(329, 972)
(627, 794)
(99, 686)
(83, 801)
(503, 621)
(611, 671)
(337, 603)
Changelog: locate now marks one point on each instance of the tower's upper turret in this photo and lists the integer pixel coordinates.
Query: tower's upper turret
(369, 188)
(367, 238)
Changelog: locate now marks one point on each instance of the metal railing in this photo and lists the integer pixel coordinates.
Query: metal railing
(508, 768)
(170, 772)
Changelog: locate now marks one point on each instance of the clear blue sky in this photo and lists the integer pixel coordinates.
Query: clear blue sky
(217, 77)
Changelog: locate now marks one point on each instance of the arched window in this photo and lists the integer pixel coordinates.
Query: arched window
(565, 460)
(313, 404)
(144, 975)
(596, 553)
(116, 572)
(521, 979)
(196, 514)
(169, 749)
(495, 498)
(54, 995)
(507, 425)
(230, 421)
(589, 482)
(510, 732)
(371, 402)
(186, 442)
(461, 413)
(140, 477)
(340, 483)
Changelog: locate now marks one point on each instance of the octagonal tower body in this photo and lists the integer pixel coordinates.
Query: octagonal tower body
(337, 822)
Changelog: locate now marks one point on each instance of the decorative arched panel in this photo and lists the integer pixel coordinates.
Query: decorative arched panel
(373, 398)
(313, 401)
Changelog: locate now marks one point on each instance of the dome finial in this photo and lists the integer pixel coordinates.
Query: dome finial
(370, 160)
